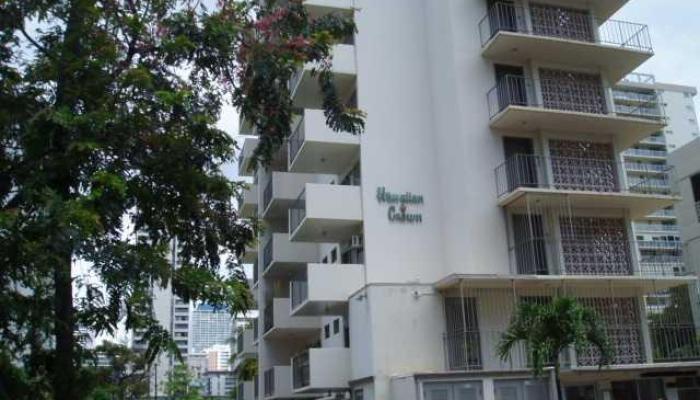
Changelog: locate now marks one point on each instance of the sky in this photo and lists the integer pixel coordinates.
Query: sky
(673, 28)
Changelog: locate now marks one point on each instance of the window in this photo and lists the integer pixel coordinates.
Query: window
(695, 184)
(325, 260)
(466, 390)
(517, 389)
(334, 255)
(336, 326)
(358, 394)
(327, 331)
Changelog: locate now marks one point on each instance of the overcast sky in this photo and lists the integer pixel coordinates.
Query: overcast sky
(673, 28)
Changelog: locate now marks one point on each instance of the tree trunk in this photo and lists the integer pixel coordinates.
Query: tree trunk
(66, 364)
(65, 383)
(557, 378)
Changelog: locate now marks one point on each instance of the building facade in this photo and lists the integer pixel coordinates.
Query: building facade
(209, 327)
(491, 172)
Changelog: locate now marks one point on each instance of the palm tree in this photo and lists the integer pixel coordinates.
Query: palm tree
(547, 329)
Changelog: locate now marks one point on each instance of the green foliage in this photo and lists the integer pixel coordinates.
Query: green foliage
(180, 384)
(248, 369)
(547, 329)
(125, 378)
(109, 154)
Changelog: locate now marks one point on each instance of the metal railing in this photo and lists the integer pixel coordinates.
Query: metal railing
(575, 174)
(299, 292)
(255, 273)
(674, 342)
(297, 212)
(463, 350)
(563, 23)
(674, 245)
(296, 140)
(595, 256)
(655, 140)
(267, 194)
(646, 153)
(636, 77)
(632, 96)
(267, 253)
(295, 79)
(301, 369)
(269, 382)
(645, 167)
(239, 343)
(268, 317)
(656, 228)
(517, 90)
(663, 213)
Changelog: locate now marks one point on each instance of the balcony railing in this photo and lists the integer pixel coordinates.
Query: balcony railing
(269, 382)
(663, 213)
(255, 273)
(299, 291)
(301, 370)
(673, 245)
(463, 350)
(646, 153)
(268, 317)
(675, 342)
(634, 97)
(515, 90)
(239, 343)
(656, 228)
(296, 140)
(603, 256)
(297, 212)
(574, 174)
(267, 194)
(267, 253)
(655, 140)
(645, 167)
(563, 24)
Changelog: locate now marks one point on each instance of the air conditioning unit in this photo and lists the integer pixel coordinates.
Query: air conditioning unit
(356, 242)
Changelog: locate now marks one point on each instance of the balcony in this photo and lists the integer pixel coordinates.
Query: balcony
(326, 213)
(248, 202)
(321, 370)
(638, 227)
(245, 346)
(556, 35)
(326, 289)
(304, 86)
(281, 190)
(591, 260)
(277, 384)
(646, 168)
(281, 257)
(279, 324)
(315, 148)
(640, 338)
(574, 106)
(646, 154)
(585, 183)
(245, 390)
(245, 157)
(251, 253)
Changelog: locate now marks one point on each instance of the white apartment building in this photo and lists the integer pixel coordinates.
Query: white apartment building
(490, 173)
(686, 162)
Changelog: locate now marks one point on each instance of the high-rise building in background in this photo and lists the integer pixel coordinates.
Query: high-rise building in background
(210, 327)
(496, 168)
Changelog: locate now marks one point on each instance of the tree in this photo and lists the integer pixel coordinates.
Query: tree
(549, 328)
(124, 378)
(180, 384)
(248, 369)
(110, 154)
